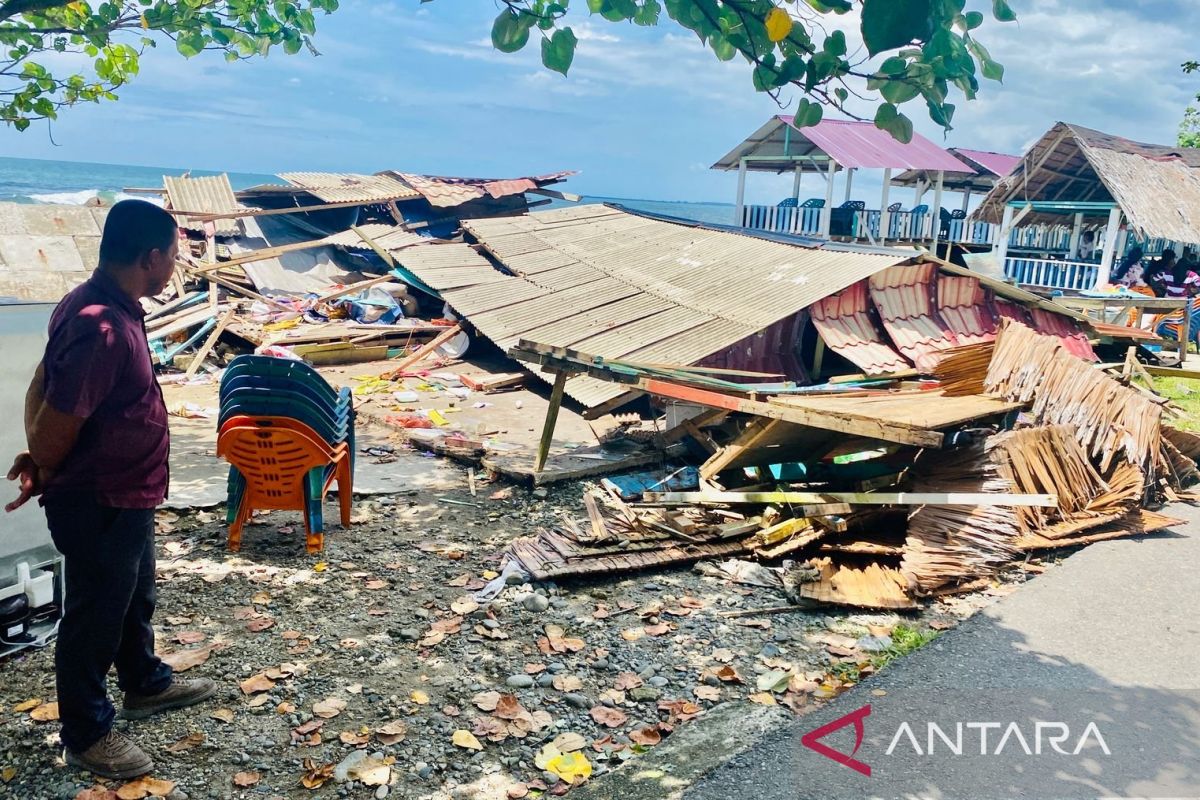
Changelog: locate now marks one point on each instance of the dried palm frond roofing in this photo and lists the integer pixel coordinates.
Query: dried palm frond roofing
(1157, 187)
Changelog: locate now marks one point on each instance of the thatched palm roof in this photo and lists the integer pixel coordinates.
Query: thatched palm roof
(1157, 187)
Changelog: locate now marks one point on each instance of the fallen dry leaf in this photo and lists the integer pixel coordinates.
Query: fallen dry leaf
(47, 712)
(246, 779)
(350, 644)
(178, 620)
(329, 707)
(432, 638)
(460, 581)
(193, 739)
(691, 602)
(244, 613)
(567, 683)
(371, 772)
(517, 791)
(486, 701)
(614, 696)
(7, 774)
(534, 669)
(223, 714)
(722, 654)
(490, 633)
(354, 739)
(285, 708)
(258, 701)
(188, 637)
(679, 710)
(466, 740)
(632, 634)
(28, 705)
(940, 625)
(509, 707)
(392, 733)
(569, 742)
(762, 698)
(97, 793)
(626, 681)
(145, 786)
(291, 635)
(707, 693)
(646, 736)
(879, 693)
(183, 660)
(314, 776)
(728, 674)
(464, 605)
(451, 710)
(257, 683)
(419, 697)
(609, 717)
(491, 728)
(376, 585)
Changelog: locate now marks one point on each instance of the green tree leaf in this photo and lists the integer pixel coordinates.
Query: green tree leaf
(510, 31)
(900, 127)
(559, 50)
(889, 24)
(1002, 11)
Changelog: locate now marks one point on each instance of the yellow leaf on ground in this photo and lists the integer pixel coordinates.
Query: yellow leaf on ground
(223, 714)
(763, 698)
(571, 767)
(419, 697)
(47, 712)
(320, 566)
(466, 739)
(28, 705)
(8, 773)
(329, 707)
(186, 743)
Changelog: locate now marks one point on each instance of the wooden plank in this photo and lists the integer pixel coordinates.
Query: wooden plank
(424, 351)
(859, 498)
(210, 343)
(262, 255)
(556, 398)
(357, 287)
(873, 429)
(755, 432)
(593, 511)
(207, 216)
(1172, 372)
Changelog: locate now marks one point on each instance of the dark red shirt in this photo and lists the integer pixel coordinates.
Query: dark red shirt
(98, 367)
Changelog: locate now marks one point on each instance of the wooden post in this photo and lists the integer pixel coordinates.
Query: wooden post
(849, 183)
(966, 199)
(210, 343)
(1076, 230)
(827, 212)
(818, 359)
(422, 352)
(556, 397)
(885, 216)
(935, 226)
(1111, 232)
(796, 183)
(741, 193)
(1001, 246)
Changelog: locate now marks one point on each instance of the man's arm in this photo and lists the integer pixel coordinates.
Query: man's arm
(50, 435)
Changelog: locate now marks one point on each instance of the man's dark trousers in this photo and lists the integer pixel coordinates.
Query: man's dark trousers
(110, 596)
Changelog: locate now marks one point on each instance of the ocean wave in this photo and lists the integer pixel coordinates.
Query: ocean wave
(87, 196)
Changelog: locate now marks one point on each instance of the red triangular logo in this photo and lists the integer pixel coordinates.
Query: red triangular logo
(811, 740)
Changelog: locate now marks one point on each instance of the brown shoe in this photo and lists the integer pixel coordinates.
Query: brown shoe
(177, 695)
(114, 757)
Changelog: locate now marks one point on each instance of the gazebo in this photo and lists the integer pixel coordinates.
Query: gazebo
(1083, 180)
(825, 149)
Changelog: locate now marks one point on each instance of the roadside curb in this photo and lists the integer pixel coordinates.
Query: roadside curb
(688, 754)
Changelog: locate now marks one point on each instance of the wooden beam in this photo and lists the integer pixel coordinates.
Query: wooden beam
(424, 351)
(356, 287)
(832, 421)
(379, 251)
(857, 498)
(210, 343)
(1171, 372)
(556, 397)
(207, 216)
(755, 432)
(261, 255)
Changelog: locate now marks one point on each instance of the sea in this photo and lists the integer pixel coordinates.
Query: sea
(25, 180)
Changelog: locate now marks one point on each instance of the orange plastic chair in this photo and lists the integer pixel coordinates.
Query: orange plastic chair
(285, 467)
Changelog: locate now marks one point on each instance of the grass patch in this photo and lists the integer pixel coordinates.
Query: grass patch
(1184, 393)
(905, 639)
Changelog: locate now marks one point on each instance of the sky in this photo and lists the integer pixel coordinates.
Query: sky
(417, 87)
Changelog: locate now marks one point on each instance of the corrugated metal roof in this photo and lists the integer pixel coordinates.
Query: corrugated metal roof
(209, 195)
(852, 145)
(339, 187)
(998, 164)
(47, 250)
(447, 192)
(620, 285)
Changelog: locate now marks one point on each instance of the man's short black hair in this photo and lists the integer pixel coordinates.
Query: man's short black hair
(134, 228)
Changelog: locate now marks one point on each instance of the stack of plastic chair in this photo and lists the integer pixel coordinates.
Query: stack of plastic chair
(288, 436)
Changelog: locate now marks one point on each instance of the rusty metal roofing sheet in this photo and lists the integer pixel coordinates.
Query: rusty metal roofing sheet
(345, 187)
(618, 284)
(446, 192)
(852, 145)
(210, 195)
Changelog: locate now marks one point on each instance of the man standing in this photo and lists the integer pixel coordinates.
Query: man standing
(96, 425)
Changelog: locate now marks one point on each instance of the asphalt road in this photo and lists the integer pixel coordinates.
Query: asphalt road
(1110, 638)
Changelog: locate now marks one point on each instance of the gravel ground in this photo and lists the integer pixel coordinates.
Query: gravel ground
(382, 624)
